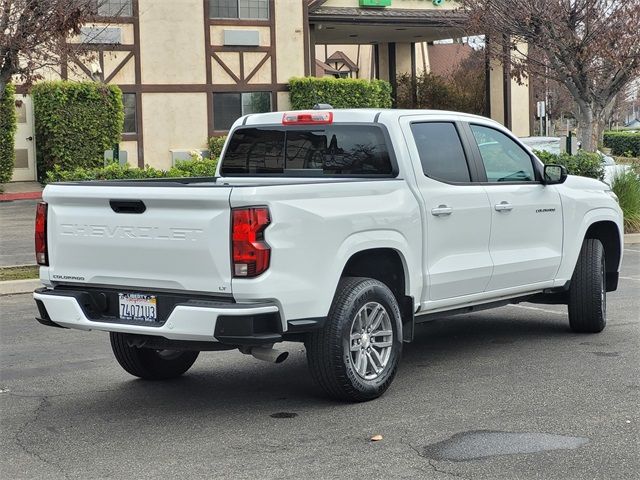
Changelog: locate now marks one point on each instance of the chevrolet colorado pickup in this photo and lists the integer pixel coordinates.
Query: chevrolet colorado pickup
(341, 229)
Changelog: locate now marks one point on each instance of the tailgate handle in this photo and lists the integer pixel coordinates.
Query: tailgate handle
(127, 206)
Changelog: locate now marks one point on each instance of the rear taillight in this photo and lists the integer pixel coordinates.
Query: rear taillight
(250, 252)
(42, 256)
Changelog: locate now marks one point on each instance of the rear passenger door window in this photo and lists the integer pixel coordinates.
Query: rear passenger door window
(503, 159)
(441, 152)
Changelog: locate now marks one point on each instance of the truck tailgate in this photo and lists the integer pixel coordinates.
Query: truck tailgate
(151, 237)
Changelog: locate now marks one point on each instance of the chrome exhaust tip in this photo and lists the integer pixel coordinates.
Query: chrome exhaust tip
(270, 355)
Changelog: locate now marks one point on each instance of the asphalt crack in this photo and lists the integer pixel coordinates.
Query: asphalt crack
(439, 470)
(20, 442)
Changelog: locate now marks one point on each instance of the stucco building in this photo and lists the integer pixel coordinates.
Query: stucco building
(189, 68)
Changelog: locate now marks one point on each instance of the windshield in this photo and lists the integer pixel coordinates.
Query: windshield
(333, 150)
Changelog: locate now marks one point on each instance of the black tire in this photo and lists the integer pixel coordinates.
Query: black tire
(329, 352)
(588, 290)
(150, 364)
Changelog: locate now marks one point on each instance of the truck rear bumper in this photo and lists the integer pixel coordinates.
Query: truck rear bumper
(197, 320)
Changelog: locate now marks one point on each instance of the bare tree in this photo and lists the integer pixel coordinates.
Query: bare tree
(589, 46)
(34, 33)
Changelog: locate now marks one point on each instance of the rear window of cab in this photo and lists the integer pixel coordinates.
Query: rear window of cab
(314, 150)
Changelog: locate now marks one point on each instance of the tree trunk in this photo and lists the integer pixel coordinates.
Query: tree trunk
(589, 124)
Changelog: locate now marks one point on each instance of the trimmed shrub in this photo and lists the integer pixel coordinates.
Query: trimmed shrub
(626, 186)
(114, 171)
(194, 168)
(7, 133)
(75, 123)
(305, 92)
(383, 88)
(215, 146)
(584, 164)
(623, 143)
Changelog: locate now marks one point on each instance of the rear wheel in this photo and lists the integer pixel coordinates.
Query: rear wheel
(355, 355)
(150, 364)
(588, 291)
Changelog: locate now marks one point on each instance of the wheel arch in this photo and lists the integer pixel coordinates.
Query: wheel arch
(601, 223)
(389, 266)
(609, 235)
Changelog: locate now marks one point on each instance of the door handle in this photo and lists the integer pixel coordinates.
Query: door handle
(504, 207)
(442, 211)
(29, 138)
(127, 206)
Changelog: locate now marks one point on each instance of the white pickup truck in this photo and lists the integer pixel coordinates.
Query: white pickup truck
(341, 229)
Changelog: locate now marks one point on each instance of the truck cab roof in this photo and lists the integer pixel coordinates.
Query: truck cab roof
(362, 115)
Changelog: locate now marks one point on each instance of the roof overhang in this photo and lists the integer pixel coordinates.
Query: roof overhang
(343, 25)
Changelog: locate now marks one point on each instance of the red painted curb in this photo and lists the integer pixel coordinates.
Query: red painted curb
(8, 197)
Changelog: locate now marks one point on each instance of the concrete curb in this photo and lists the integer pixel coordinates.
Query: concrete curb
(631, 238)
(10, 197)
(15, 287)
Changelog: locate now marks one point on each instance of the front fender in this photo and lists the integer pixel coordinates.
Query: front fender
(574, 237)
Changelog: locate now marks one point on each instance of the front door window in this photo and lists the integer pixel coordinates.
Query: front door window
(504, 160)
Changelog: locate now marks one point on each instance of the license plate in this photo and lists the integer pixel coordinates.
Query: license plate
(138, 306)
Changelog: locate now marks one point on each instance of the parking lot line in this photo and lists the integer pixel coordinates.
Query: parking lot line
(538, 309)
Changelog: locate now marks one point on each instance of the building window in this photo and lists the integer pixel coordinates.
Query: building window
(244, 9)
(115, 8)
(101, 35)
(129, 102)
(228, 107)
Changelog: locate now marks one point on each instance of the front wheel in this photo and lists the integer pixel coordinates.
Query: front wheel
(355, 355)
(588, 290)
(148, 363)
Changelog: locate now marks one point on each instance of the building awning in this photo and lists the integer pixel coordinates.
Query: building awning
(335, 25)
(384, 16)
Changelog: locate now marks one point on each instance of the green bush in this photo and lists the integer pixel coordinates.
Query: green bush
(584, 164)
(626, 186)
(7, 133)
(114, 171)
(440, 93)
(194, 168)
(215, 146)
(383, 89)
(339, 93)
(75, 123)
(623, 143)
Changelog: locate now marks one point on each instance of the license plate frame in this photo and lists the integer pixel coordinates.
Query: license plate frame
(139, 307)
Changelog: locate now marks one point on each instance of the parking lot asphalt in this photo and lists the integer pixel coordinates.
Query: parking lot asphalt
(17, 223)
(509, 393)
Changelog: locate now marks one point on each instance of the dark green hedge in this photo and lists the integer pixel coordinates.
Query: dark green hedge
(339, 92)
(7, 133)
(114, 171)
(584, 164)
(75, 123)
(623, 143)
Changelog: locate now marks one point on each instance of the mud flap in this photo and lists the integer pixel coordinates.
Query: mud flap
(408, 319)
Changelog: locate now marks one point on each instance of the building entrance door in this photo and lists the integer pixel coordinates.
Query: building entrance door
(25, 163)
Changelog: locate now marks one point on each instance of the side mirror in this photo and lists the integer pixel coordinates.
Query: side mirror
(554, 174)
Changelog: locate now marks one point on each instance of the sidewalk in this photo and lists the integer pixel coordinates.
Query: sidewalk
(21, 191)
